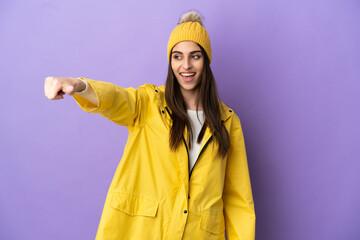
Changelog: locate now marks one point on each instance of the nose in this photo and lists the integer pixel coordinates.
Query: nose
(187, 63)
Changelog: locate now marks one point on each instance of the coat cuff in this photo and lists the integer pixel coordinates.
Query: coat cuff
(86, 105)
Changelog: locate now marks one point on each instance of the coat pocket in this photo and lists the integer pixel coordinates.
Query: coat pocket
(212, 222)
(134, 205)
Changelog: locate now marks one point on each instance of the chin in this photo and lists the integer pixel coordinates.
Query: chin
(189, 88)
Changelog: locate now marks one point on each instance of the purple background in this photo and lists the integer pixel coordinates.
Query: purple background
(289, 69)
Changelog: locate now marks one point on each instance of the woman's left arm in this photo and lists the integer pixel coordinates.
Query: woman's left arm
(237, 195)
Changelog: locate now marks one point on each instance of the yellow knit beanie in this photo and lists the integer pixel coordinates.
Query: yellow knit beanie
(190, 29)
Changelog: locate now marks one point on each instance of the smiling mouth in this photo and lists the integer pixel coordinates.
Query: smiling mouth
(187, 77)
(187, 74)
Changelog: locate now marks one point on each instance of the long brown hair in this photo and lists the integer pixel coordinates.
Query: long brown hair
(209, 97)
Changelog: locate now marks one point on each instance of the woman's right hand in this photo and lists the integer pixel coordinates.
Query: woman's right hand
(56, 87)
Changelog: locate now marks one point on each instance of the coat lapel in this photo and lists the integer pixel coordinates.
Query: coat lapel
(208, 134)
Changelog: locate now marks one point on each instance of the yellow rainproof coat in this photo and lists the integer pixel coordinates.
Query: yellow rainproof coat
(153, 195)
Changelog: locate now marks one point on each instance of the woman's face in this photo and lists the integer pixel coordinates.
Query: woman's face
(187, 64)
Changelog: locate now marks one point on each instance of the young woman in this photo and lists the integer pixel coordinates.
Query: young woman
(184, 172)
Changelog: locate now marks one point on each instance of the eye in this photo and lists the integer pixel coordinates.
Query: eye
(176, 57)
(196, 56)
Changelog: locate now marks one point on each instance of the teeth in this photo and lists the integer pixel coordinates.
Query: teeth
(187, 74)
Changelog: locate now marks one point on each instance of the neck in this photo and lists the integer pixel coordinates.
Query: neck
(190, 98)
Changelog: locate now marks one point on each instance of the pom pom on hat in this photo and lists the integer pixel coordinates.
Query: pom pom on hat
(191, 16)
(190, 28)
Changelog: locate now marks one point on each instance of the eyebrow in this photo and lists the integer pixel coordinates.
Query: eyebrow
(190, 52)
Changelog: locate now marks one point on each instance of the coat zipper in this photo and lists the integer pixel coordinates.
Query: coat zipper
(199, 155)
(187, 150)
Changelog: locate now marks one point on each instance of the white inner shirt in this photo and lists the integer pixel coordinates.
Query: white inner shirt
(196, 126)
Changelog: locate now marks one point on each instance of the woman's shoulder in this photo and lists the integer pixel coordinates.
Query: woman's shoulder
(229, 116)
(225, 111)
(152, 87)
(155, 94)
(149, 89)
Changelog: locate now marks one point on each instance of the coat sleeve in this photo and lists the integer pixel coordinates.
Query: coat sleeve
(237, 195)
(124, 106)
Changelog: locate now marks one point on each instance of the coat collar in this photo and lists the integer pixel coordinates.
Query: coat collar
(226, 112)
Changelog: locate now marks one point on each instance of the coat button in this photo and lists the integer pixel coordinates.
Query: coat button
(163, 111)
(230, 110)
(188, 196)
(156, 90)
(185, 211)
